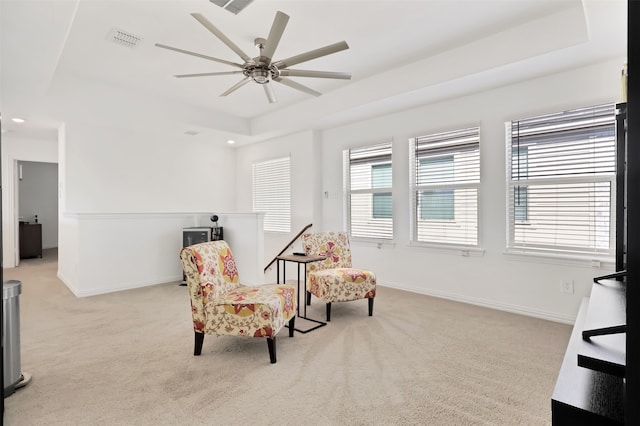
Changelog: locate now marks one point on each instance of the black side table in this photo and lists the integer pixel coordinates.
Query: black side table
(300, 260)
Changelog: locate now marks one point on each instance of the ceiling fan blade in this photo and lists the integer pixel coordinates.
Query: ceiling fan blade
(277, 28)
(312, 54)
(271, 95)
(216, 32)
(207, 74)
(315, 74)
(236, 86)
(199, 55)
(297, 86)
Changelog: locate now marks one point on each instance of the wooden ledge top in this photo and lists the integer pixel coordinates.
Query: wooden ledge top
(300, 259)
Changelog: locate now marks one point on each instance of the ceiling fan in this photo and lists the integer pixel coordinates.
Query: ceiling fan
(262, 69)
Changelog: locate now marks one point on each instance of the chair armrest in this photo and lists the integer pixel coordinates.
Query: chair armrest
(197, 292)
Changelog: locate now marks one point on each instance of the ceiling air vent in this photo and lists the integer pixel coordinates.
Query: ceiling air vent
(124, 38)
(233, 6)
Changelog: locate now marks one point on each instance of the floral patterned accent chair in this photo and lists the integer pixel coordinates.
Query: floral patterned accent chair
(334, 279)
(220, 305)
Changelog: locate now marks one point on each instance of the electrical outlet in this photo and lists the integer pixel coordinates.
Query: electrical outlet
(566, 286)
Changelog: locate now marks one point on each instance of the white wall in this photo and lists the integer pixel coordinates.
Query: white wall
(122, 191)
(488, 277)
(14, 150)
(132, 169)
(107, 170)
(113, 252)
(306, 196)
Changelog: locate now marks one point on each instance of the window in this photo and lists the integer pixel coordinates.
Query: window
(368, 195)
(445, 180)
(381, 178)
(272, 193)
(520, 156)
(561, 177)
(437, 204)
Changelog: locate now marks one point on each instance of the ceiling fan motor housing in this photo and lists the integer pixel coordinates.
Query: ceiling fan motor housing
(261, 73)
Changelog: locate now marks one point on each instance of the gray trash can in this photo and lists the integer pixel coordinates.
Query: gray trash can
(11, 335)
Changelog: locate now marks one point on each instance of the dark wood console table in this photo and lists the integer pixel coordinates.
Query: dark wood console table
(30, 240)
(590, 386)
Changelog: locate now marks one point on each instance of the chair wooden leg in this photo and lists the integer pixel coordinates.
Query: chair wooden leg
(371, 306)
(199, 339)
(328, 312)
(271, 343)
(292, 323)
(308, 298)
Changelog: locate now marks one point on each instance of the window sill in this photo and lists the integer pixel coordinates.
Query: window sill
(452, 250)
(378, 242)
(561, 259)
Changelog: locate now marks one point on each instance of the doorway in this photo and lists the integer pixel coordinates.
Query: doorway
(37, 209)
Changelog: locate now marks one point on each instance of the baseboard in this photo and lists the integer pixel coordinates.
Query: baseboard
(121, 287)
(516, 309)
(65, 282)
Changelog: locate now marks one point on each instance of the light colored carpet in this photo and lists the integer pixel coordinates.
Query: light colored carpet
(127, 359)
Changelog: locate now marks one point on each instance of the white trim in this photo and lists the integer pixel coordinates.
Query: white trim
(556, 258)
(122, 286)
(14, 211)
(145, 215)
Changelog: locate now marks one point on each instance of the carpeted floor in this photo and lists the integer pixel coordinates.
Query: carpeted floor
(127, 359)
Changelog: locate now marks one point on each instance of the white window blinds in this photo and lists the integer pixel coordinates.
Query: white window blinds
(561, 179)
(368, 191)
(445, 179)
(272, 193)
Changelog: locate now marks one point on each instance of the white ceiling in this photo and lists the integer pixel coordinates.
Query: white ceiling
(57, 63)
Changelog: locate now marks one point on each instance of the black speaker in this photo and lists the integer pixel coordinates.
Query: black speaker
(195, 235)
(216, 233)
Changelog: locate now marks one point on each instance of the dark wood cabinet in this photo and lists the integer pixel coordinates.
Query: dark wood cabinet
(593, 383)
(30, 240)
(632, 379)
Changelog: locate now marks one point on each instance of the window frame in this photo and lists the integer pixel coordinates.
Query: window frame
(377, 154)
(275, 179)
(545, 178)
(464, 182)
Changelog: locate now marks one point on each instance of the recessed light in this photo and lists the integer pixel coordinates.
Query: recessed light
(17, 120)
(231, 141)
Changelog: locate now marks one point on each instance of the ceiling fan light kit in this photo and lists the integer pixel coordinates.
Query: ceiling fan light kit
(262, 69)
